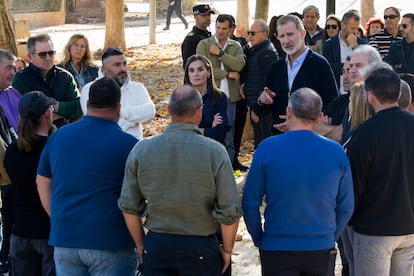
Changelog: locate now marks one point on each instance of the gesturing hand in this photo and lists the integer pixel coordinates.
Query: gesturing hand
(218, 119)
(267, 96)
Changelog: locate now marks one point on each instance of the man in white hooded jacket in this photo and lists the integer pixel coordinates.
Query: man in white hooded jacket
(136, 104)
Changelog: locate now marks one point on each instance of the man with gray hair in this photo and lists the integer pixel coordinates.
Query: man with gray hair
(55, 82)
(185, 206)
(309, 199)
(262, 55)
(313, 31)
(361, 57)
(302, 67)
(9, 118)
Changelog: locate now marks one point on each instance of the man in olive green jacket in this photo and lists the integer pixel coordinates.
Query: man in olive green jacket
(228, 59)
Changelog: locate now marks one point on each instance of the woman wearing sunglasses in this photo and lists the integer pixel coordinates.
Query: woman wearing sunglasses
(332, 28)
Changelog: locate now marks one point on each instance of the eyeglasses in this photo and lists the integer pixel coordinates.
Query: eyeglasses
(80, 46)
(253, 33)
(334, 27)
(43, 55)
(52, 108)
(405, 26)
(392, 16)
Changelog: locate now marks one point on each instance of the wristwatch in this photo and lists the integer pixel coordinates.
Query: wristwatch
(221, 53)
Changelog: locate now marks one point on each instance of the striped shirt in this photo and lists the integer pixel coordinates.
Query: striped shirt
(382, 41)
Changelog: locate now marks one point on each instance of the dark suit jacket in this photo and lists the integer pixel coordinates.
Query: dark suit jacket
(332, 52)
(397, 58)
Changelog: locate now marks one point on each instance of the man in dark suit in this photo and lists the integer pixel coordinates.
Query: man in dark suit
(340, 46)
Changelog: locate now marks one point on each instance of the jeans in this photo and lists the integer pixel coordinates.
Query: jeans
(293, 263)
(172, 255)
(85, 262)
(31, 257)
(383, 255)
(347, 238)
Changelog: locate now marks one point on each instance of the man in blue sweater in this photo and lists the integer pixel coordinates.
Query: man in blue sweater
(308, 191)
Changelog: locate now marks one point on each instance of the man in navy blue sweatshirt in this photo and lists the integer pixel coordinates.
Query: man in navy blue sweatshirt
(381, 152)
(307, 184)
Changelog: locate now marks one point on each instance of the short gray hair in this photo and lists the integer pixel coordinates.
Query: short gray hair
(311, 8)
(305, 104)
(31, 42)
(291, 18)
(4, 54)
(184, 101)
(263, 26)
(373, 54)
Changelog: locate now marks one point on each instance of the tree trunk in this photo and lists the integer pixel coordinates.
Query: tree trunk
(242, 17)
(262, 9)
(7, 37)
(152, 21)
(114, 32)
(367, 10)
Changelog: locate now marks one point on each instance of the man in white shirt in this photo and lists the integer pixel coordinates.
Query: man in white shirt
(136, 104)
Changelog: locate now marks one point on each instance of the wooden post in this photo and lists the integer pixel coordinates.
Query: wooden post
(114, 32)
(152, 21)
(367, 10)
(7, 37)
(262, 9)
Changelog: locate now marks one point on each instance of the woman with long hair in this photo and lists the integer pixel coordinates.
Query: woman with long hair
(77, 59)
(214, 122)
(332, 28)
(30, 253)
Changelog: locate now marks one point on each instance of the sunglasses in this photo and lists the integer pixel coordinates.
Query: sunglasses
(253, 33)
(334, 27)
(392, 16)
(43, 55)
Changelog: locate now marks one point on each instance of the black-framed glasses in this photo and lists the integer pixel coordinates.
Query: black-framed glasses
(253, 33)
(405, 26)
(334, 27)
(391, 16)
(43, 55)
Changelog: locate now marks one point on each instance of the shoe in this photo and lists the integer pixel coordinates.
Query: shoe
(166, 29)
(240, 167)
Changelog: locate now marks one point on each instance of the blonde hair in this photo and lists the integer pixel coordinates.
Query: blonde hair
(358, 106)
(87, 58)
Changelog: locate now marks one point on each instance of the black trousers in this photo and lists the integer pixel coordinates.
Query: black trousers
(239, 122)
(8, 213)
(179, 255)
(178, 11)
(298, 263)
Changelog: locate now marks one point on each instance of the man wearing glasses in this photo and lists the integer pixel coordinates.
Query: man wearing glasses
(382, 40)
(401, 55)
(54, 82)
